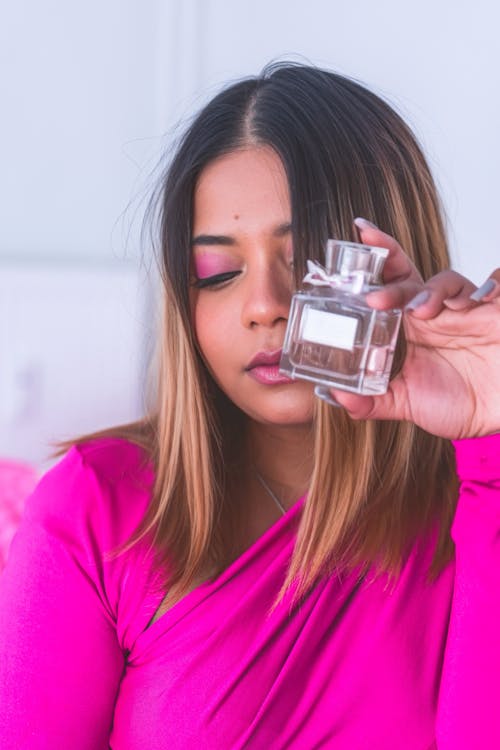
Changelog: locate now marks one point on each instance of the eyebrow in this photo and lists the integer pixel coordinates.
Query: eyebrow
(223, 239)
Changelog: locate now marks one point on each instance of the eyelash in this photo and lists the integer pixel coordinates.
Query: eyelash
(216, 280)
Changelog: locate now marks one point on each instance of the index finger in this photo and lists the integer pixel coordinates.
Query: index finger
(398, 265)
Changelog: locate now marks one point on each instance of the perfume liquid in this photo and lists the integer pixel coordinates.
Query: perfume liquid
(333, 338)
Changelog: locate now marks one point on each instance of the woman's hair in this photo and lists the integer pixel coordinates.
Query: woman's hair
(376, 486)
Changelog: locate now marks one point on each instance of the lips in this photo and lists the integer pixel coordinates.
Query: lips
(264, 368)
(265, 359)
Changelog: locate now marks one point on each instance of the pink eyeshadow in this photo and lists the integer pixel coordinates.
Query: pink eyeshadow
(210, 264)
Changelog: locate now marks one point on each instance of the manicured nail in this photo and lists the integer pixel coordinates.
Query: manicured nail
(418, 300)
(483, 290)
(364, 223)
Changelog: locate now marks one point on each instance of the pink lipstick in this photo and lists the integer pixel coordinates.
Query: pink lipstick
(264, 368)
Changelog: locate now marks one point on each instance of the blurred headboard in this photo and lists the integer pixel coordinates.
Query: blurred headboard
(73, 341)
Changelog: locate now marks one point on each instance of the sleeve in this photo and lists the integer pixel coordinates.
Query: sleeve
(60, 660)
(469, 698)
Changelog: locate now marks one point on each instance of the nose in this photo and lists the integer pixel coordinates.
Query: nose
(267, 297)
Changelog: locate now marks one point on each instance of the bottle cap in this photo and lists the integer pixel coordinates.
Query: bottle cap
(344, 258)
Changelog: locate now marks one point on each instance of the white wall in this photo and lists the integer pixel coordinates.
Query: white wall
(78, 92)
(90, 91)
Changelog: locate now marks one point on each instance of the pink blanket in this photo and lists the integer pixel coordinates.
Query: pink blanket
(16, 482)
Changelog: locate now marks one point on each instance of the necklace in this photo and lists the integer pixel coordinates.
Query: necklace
(270, 493)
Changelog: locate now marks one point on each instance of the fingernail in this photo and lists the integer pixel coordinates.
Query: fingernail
(483, 290)
(364, 223)
(418, 300)
(324, 394)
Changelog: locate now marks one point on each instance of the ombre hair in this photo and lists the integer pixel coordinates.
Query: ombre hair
(376, 486)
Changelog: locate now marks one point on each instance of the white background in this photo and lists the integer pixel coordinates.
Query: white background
(90, 95)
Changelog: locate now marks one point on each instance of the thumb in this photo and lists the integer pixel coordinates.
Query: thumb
(369, 407)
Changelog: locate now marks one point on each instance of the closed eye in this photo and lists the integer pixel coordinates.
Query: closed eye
(219, 278)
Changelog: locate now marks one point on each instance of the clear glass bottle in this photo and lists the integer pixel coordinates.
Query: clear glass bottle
(333, 338)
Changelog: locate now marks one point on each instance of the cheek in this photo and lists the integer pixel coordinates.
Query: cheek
(214, 330)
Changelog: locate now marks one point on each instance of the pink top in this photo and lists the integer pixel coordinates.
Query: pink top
(359, 665)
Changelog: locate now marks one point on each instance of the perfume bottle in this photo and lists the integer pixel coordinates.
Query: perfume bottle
(333, 338)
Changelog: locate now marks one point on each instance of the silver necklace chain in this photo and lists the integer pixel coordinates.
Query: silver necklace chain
(270, 493)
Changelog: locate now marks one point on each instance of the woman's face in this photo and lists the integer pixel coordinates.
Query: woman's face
(241, 230)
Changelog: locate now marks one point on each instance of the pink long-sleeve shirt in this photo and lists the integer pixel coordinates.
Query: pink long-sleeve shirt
(360, 665)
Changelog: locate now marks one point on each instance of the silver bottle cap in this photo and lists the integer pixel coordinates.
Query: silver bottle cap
(344, 258)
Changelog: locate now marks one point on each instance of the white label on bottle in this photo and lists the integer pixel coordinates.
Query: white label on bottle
(330, 329)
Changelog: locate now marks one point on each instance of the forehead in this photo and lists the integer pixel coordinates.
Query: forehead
(245, 186)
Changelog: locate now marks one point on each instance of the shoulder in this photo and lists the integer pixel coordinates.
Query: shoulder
(112, 459)
(478, 458)
(100, 489)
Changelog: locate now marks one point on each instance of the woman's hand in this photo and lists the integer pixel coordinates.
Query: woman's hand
(450, 381)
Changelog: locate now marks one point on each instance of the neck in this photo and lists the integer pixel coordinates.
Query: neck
(283, 456)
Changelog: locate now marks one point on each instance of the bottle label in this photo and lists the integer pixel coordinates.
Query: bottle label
(329, 329)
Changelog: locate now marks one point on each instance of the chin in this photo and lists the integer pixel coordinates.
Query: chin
(295, 413)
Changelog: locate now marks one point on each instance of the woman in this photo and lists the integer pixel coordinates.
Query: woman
(250, 567)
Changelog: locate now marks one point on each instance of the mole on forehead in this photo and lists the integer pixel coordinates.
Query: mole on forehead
(236, 217)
